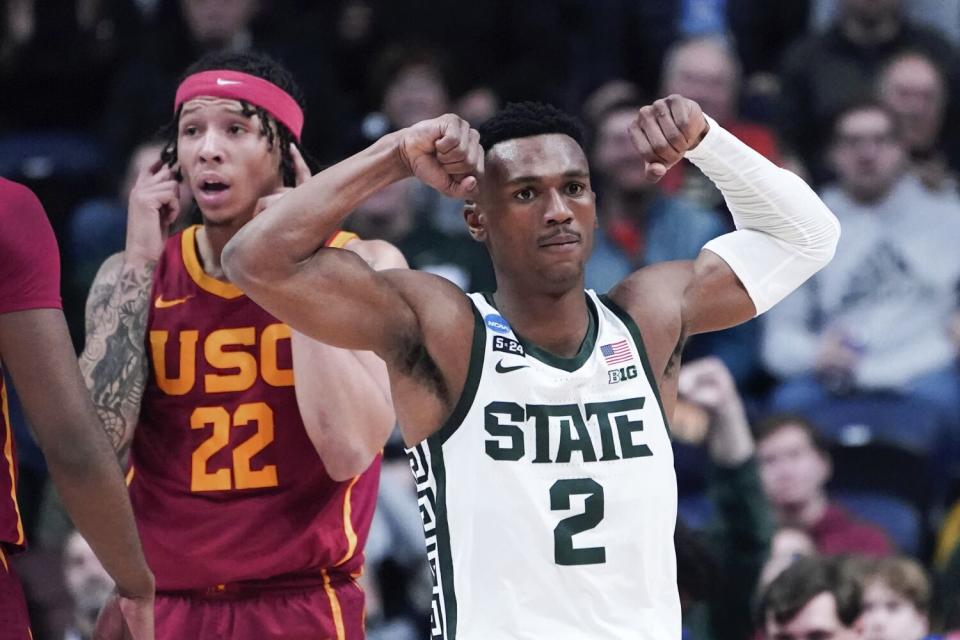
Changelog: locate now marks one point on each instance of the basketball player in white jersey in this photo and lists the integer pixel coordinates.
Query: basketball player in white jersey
(537, 415)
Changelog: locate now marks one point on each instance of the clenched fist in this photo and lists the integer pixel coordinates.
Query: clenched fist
(665, 130)
(444, 153)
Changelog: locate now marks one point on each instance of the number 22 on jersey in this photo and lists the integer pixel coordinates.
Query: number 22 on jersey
(235, 369)
(241, 475)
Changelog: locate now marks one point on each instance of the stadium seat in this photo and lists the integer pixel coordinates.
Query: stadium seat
(889, 443)
(863, 418)
(38, 155)
(883, 468)
(696, 511)
(901, 521)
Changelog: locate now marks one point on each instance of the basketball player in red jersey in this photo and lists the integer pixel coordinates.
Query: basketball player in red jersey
(35, 350)
(253, 510)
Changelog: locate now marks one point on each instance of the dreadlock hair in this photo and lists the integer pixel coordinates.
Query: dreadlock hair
(261, 66)
(526, 119)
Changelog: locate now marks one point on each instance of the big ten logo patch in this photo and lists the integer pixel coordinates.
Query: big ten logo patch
(622, 374)
(237, 358)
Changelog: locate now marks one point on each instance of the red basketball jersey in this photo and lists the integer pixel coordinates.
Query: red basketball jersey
(225, 483)
(29, 279)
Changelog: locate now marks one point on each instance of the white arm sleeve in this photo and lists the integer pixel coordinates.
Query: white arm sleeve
(785, 233)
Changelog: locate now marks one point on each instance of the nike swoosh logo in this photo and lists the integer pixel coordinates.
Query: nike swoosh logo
(502, 369)
(160, 303)
(223, 83)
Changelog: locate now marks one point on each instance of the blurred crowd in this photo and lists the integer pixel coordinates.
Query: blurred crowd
(817, 448)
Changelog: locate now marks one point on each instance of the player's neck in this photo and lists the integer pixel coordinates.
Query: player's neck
(211, 239)
(557, 323)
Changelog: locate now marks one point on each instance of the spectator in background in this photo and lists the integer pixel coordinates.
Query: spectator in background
(895, 600)
(795, 466)
(739, 540)
(877, 317)
(788, 544)
(478, 105)
(814, 598)
(763, 31)
(139, 98)
(49, 50)
(629, 38)
(531, 59)
(824, 71)
(942, 15)
(394, 214)
(411, 84)
(88, 583)
(706, 70)
(913, 86)
(640, 225)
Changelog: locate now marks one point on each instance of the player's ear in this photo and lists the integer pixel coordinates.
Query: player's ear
(475, 218)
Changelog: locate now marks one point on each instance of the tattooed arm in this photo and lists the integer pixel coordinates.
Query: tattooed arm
(114, 359)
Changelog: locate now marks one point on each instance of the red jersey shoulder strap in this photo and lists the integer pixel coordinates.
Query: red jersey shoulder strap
(191, 262)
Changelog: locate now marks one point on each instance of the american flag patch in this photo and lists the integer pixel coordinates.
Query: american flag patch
(616, 352)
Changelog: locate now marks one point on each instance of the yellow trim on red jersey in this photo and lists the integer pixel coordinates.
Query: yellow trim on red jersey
(191, 261)
(8, 454)
(129, 478)
(334, 607)
(348, 531)
(341, 238)
(3, 560)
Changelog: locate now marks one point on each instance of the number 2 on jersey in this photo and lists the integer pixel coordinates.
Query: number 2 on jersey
(241, 476)
(564, 552)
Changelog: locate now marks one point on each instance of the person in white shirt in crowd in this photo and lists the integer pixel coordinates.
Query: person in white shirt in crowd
(877, 318)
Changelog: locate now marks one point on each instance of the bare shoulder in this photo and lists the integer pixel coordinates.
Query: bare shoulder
(653, 298)
(379, 254)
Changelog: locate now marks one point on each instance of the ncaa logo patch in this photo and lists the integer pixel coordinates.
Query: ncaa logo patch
(497, 323)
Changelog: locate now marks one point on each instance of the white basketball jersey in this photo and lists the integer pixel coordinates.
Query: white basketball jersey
(549, 497)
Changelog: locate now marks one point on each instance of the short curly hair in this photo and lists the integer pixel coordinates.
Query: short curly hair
(255, 64)
(525, 119)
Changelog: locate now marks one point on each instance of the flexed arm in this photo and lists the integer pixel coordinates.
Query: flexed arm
(344, 396)
(279, 257)
(114, 359)
(418, 324)
(784, 233)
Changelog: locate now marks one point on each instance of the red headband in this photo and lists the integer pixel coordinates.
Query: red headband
(243, 86)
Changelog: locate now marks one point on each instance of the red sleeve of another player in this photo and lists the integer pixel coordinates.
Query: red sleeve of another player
(29, 259)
